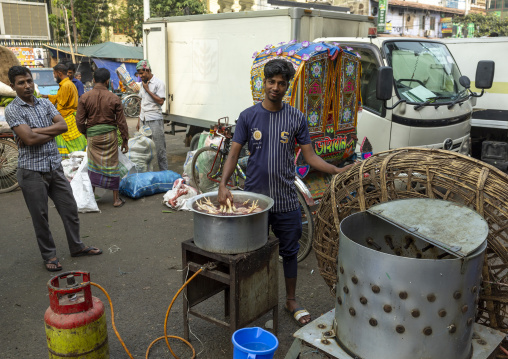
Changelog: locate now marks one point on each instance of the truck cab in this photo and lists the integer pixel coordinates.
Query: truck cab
(426, 79)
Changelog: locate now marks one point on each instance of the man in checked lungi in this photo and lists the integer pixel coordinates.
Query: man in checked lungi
(100, 114)
(66, 101)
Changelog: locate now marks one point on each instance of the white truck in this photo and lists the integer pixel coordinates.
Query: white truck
(489, 123)
(205, 61)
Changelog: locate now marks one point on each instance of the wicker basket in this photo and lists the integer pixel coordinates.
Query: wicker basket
(424, 173)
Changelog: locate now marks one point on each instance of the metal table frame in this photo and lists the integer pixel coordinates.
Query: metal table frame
(249, 281)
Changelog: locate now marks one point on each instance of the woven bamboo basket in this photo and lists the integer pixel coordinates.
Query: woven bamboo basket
(7, 60)
(424, 173)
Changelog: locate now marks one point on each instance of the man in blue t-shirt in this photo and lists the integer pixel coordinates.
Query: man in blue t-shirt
(79, 85)
(271, 129)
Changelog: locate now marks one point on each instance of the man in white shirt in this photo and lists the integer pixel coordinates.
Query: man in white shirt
(153, 95)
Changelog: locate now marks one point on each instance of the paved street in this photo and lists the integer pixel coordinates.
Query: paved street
(140, 268)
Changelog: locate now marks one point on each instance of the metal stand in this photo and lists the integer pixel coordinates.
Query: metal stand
(249, 281)
(319, 335)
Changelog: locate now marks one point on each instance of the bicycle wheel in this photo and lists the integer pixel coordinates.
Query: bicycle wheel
(207, 170)
(132, 106)
(307, 230)
(8, 165)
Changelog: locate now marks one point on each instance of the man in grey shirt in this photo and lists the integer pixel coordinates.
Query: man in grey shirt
(153, 95)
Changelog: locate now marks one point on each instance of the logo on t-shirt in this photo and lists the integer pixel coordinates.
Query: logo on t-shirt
(284, 137)
(257, 135)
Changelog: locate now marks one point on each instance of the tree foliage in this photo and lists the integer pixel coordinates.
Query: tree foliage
(91, 16)
(130, 19)
(484, 25)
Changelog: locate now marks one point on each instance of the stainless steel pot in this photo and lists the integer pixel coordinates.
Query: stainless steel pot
(409, 274)
(231, 234)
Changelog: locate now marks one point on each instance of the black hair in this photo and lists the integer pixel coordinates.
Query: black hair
(279, 67)
(101, 76)
(71, 67)
(18, 71)
(61, 67)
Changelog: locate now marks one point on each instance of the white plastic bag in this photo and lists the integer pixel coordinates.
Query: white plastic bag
(82, 189)
(177, 197)
(124, 164)
(6, 90)
(187, 168)
(142, 153)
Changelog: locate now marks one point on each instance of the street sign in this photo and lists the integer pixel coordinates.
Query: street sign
(381, 18)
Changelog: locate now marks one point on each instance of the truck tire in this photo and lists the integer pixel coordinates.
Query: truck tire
(195, 141)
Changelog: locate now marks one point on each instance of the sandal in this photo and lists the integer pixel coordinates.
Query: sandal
(298, 313)
(87, 252)
(121, 204)
(56, 262)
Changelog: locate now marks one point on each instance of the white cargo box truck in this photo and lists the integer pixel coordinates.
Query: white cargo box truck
(205, 60)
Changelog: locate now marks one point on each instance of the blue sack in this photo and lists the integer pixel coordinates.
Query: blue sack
(139, 185)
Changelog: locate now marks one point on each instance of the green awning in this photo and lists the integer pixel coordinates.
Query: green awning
(106, 50)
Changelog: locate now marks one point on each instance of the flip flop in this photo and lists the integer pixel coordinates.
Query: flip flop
(120, 205)
(86, 252)
(55, 262)
(297, 314)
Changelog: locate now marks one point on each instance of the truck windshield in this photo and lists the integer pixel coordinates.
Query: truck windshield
(424, 71)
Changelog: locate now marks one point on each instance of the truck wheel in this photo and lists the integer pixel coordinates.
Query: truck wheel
(195, 141)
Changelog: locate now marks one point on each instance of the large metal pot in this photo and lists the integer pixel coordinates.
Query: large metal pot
(231, 234)
(409, 274)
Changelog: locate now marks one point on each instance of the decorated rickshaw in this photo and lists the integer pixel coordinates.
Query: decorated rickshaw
(326, 89)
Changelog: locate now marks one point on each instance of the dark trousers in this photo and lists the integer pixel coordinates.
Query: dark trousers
(36, 187)
(287, 227)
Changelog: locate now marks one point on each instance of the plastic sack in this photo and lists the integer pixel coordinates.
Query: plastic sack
(70, 167)
(187, 168)
(177, 197)
(6, 90)
(142, 153)
(139, 185)
(124, 164)
(213, 140)
(202, 139)
(82, 189)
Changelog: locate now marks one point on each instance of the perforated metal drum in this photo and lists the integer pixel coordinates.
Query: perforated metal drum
(409, 274)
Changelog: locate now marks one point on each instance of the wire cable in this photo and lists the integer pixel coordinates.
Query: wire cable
(166, 336)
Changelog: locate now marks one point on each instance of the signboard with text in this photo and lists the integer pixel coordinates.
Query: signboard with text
(381, 18)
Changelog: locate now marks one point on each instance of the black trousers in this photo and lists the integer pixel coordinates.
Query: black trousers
(36, 188)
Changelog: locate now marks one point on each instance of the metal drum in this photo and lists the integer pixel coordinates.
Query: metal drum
(231, 234)
(409, 274)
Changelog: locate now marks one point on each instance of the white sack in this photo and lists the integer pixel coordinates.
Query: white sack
(6, 90)
(177, 197)
(124, 164)
(142, 153)
(82, 189)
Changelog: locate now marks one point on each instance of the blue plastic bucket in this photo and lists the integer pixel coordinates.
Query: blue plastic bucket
(254, 343)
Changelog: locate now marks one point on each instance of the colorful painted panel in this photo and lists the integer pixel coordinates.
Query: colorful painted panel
(325, 88)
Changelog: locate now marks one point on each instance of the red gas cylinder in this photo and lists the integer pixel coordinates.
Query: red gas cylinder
(75, 321)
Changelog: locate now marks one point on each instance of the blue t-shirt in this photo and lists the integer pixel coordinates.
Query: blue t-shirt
(79, 86)
(272, 137)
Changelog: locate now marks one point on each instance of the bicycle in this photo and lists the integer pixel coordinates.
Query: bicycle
(131, 105)
(8, 162)
(208, 164)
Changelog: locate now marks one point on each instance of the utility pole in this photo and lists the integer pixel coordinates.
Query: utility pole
(69, 35)
(74, 30)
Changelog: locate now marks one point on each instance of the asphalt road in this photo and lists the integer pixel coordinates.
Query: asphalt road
(141, 268)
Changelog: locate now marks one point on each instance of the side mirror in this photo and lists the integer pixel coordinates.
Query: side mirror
(384, 86)
(484, 74)
(465, 81)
